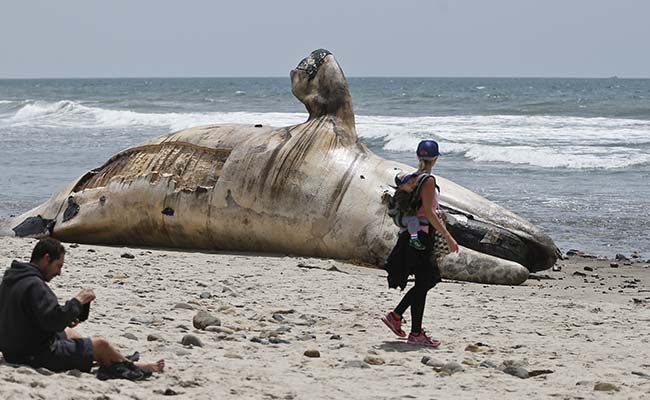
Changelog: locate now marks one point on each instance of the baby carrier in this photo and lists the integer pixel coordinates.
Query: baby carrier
(396, 212)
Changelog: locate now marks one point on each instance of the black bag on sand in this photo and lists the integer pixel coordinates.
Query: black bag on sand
(122, 370)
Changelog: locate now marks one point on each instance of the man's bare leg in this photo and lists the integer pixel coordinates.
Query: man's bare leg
(72, 334)
(158, 366)
(104, 353)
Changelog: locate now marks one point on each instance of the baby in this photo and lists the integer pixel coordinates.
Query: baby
(405, 185)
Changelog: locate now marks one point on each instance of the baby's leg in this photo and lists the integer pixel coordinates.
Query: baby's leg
(412, 224)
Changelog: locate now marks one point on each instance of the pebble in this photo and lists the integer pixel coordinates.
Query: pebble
(74, 245)
(470, 362)
(260, 340)
(205, 295)
(487, 364)
(451, 368)
(154, 337)
(355, 364)
(335, 337)
(275, 340)
(286, 311)
(140, 321)
(219, 329)
(641, 374)
(606, 387)
(307, 336)
(44, 371)
(203, 319)
(127, 255)
(312, 353)
(537, 372)
(476, 348)
(233, 355)
(191, 340)
(374, 360)
(75, 372)
(432, 362)
(517, 371)
(621, 257)
(589, 268)
(129, 335)
(184, 306)
(21, 370)
(578, 273)
(514, 364)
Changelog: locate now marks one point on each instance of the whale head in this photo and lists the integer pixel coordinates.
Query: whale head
(319, 83)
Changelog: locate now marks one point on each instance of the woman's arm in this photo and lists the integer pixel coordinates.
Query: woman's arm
(427, 202)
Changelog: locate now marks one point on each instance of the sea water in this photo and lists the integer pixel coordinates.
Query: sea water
(570, 155)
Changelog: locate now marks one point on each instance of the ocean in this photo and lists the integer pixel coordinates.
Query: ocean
(570, 155)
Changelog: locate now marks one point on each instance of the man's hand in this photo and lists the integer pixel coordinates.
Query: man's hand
(85, 296)
(74, 323)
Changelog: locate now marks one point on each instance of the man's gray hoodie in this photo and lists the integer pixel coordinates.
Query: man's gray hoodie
(30, 314)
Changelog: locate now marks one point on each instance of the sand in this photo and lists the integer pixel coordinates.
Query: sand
(579, 333)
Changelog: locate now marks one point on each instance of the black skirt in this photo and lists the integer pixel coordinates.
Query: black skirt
(404, 261)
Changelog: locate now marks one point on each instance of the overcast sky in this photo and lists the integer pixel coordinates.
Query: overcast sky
(446, 38)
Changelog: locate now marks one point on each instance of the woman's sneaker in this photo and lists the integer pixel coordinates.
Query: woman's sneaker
(421, 339)
(394, 322)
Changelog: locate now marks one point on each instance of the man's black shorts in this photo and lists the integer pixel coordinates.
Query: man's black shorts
(65, 354)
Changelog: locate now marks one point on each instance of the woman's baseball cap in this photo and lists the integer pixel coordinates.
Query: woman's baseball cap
(428, 149)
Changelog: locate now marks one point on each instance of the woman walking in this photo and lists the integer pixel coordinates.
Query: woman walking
(404, 260)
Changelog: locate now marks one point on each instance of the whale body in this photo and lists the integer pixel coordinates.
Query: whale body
(310, 189)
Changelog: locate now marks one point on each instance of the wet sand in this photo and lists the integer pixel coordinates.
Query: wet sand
(576, 330)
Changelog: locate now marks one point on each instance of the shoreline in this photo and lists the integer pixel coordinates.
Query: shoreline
(587, 323)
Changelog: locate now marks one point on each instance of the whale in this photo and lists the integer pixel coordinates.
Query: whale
(311, 189)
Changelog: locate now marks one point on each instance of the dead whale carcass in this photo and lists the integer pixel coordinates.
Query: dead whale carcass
(309, 189)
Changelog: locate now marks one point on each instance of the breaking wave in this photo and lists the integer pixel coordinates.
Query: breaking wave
(540, 141)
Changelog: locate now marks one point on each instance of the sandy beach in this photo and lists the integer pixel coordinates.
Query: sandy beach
(575, 332)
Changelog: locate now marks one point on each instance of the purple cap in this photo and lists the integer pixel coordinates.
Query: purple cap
(401, 178)
(428, 149)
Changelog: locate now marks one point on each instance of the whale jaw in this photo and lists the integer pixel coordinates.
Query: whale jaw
(319, 83)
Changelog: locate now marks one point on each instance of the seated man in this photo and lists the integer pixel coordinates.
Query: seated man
(37, 331)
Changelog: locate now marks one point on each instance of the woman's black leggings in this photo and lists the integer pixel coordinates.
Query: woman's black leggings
(416, 298)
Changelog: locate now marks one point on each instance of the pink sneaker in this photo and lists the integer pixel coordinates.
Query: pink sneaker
(421, 339)
(394, 322)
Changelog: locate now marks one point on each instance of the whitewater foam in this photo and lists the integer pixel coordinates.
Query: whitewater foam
(541, 141)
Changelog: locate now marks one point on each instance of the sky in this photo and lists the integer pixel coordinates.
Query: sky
(423, 38)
